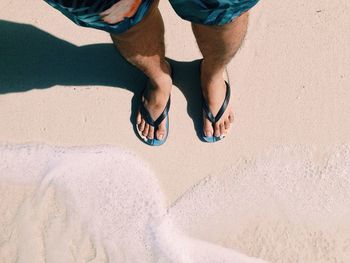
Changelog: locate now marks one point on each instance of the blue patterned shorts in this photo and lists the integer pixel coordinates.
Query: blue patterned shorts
(206, 12)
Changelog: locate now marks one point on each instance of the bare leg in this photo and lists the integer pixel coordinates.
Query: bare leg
(218, 45)
(143, 46)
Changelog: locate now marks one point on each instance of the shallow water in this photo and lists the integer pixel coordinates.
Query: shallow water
(104, 204)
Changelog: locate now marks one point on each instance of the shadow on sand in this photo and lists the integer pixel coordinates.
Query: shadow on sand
(33, 59)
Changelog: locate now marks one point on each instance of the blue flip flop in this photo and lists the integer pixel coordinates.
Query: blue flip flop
(214, 119)
(154, 123)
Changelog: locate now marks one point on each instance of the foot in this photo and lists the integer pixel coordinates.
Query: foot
(155, 99)
(214, 91)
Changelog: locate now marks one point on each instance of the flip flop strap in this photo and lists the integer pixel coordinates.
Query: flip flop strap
(148, 118)
(213, 119)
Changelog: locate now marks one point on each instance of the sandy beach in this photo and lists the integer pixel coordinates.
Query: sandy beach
(77, 185)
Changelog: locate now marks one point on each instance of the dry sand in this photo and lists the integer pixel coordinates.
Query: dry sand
(65, 86)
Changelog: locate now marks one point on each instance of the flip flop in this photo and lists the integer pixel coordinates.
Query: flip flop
(214, 119)
(154, 123)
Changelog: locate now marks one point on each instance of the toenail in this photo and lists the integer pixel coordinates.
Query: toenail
(160, 137)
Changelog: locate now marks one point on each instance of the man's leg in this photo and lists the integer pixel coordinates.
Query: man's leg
(143, 46)
(218, 45)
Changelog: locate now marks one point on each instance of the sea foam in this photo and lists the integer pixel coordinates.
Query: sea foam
(104, 204)
(97, 204)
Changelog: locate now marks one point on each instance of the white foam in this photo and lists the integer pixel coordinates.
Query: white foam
(103, 204)
(285, 205)
(98, 204)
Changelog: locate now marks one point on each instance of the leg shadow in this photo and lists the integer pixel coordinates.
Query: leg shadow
(187, 79)
(34, 59)
(31, 58)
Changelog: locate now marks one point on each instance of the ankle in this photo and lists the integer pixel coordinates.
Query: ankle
(213, 87)
(161, 84)
(161, 78)
(212, 70)
(212, 84)
(156, 97)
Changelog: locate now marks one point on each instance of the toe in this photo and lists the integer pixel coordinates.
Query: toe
(145, 130)
(150, 132)
(142, 125)
(227, 125)
(217, 130)
(222, 129)
(161, 132)
(230, 117)
(138, 118)
(207, 128)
